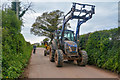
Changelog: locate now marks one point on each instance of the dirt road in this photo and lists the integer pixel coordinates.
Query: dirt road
(41, 67)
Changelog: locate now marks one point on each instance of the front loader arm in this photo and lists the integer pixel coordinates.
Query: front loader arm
(81, 18)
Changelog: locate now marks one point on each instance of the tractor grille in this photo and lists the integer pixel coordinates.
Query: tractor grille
(73, 48)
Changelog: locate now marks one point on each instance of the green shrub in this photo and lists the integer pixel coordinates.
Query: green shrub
(43, 46)
(15, 50)
(103, 48)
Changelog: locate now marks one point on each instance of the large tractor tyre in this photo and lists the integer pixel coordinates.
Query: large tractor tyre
(59, 58)
(83, 58)
(51, 54)
(45, 53)
(70, 61)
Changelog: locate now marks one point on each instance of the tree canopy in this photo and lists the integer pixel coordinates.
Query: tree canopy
(47, 23)
(45, 40)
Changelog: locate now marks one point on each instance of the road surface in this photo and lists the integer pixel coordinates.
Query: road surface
(41, 67)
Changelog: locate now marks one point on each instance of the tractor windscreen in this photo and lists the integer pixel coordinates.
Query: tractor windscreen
(69, 35)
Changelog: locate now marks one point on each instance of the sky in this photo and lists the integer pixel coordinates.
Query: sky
(119, 14)
(105, 17)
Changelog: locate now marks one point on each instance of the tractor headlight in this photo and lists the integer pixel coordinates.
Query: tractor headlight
(70, 49)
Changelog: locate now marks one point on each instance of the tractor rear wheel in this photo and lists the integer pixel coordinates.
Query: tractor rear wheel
(59, 58)
(51, 54)
(45, 52)
(83, 58)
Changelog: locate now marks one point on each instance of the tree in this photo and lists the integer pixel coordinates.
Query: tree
(48, 23)
(20, 10)
(45, 40)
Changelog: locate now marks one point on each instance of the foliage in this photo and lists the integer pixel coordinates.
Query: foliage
(103, 48)
(45, 40)
(15, 50)
(21, 10)
(43, 46)
(0, 43)
(48, 23)
(36, 44)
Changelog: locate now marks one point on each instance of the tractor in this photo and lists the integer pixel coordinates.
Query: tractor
(47, 49)
(64, 45)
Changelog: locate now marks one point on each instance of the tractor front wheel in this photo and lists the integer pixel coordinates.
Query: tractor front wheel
(59, 58)
(83, 58)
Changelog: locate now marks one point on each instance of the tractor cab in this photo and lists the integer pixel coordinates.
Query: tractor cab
(69, 35)
(69, 47)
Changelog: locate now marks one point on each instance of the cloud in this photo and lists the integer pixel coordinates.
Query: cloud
(28, 19)
(72, 0)
(30, 37)
(105, 18)
(119, 14)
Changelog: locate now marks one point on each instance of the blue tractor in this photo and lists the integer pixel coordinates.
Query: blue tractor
(64, 45)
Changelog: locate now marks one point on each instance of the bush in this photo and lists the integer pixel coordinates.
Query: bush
(103, 48)
(15, 50)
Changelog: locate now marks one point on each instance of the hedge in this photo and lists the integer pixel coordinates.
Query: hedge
(103, 48)
(15, 50)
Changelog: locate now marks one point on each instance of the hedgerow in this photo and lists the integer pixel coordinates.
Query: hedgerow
(15, 50)
(103, 48)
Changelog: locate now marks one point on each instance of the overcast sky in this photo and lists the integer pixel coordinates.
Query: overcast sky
(105, 17)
